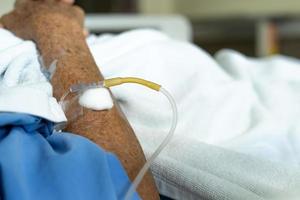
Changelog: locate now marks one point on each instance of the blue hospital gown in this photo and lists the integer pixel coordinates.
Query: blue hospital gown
(37, 164)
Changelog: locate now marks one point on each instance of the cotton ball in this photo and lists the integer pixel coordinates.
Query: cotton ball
(96, 99)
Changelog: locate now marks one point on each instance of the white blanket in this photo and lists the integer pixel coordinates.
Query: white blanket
(238, 134)
(238, 131)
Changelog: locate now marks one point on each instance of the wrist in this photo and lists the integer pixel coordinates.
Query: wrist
(53, 26)
(59, 39)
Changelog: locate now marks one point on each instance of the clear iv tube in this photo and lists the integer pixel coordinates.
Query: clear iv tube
(118, 81)
(168, 138)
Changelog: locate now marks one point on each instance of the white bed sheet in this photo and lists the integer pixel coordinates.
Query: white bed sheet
(238, 131)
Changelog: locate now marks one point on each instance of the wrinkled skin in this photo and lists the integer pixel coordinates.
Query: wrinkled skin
(23, 19)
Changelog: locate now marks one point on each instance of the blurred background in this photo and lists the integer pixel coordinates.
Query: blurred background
(255, 28)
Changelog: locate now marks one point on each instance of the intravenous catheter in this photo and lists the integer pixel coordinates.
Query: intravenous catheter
(81, 87)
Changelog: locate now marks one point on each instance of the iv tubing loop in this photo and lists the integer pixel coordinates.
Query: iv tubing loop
(118, 81)
(168, 138)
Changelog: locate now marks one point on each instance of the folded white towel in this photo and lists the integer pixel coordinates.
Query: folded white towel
(23, 87)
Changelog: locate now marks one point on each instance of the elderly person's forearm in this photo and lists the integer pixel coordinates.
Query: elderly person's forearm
(57, 31)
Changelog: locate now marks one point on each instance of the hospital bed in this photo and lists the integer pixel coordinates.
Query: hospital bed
(238, 133)
(175, 26)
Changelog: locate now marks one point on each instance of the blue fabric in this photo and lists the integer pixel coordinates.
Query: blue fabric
(36, 164)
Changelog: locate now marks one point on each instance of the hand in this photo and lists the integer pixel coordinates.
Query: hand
(28, 15)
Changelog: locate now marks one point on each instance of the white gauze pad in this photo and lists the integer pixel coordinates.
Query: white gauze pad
(96, 99)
